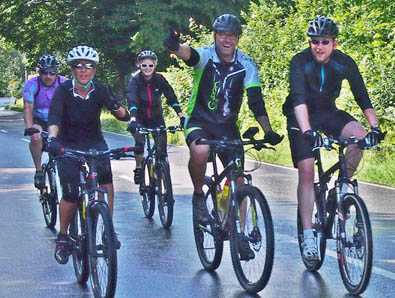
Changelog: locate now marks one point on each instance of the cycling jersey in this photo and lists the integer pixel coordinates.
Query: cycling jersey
(218, 87)
(144, 98)
(318, 85)
(40, 95)
(78, 118)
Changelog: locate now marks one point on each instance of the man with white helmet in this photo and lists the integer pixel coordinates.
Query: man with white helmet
(74, 122)
(37, 95)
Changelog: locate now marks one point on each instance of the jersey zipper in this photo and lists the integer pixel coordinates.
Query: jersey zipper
(322, 77)
(149, 104)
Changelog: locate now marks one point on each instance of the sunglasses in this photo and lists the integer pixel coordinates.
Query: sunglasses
(84, 65)
(147, 65)
(48, 73)
(316, 42)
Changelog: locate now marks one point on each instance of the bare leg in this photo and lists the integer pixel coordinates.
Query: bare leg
(197, 165)
(36, 147)
(306, 191)
(67, 210)
(110, 191)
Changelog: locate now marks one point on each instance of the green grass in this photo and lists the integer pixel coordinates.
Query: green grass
(18, 106)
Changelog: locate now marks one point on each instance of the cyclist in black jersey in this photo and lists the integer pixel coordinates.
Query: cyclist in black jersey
(221, 74)
(144, 95)
(316, 76)
(74, 122)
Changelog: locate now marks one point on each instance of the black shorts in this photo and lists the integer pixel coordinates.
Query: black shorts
(195, 130)
(330, 123)
(69, 174)
(41, 122)
(161, 142)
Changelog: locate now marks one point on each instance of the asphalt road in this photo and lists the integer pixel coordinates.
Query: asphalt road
(154, 262)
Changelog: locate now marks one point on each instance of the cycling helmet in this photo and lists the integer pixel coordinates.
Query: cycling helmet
(227, 23)
(47, 61)
(147, 54)
(322, 26)
(82, 53)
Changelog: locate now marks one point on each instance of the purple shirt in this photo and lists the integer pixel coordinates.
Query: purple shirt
(41, 100)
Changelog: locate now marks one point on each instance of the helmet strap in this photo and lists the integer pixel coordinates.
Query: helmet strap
(84, 86)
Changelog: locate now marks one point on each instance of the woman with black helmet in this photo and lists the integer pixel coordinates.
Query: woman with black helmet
(144, 93)
(37, 95)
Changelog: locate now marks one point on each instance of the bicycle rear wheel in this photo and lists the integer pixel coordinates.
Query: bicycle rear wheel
(318, 220)
(257, 230)
(165, 194)
(77, 233)
(147, 188)
(103, 254)
(48, 195)
(209, 243)
(355, 249)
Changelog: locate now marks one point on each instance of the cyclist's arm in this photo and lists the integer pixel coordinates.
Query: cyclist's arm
(131, 95)
(28, 99)
(257, 106)
(121, 114)
(188, 54)
(171, 98)
(55, 113)
(302, 117)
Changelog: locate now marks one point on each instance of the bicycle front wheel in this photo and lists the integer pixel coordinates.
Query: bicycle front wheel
(252, 247)
(209, 243)
(355, 248)
(80, 249)
(164, 193)
(48, 195)
(147, 188)
(103, 254)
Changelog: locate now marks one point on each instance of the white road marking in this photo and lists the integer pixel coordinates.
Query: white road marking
(125, 177)
(3, 130)
(25, 140)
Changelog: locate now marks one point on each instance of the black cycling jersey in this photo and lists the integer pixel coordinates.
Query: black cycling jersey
(144, 98)
(318, 85)
(78, 118)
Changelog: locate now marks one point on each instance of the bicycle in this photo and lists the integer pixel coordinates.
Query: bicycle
(156, 179)
(49, 194)
(246, 216)
(91, 230)
(344, 215)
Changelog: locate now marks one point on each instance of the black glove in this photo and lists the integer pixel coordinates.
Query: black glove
(54, 147)
(172, 41)
(374, 137)
(113, 102)
(314, 138)
(182, 121)
(273, 138)
(133, 126)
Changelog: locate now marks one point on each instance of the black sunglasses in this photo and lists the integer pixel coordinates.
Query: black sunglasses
(48, 73)
(147, 65)
(84, 65)
(316, 42)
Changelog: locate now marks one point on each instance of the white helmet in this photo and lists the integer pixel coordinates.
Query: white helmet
(82, 53)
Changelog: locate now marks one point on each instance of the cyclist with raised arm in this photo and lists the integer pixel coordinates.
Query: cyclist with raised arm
(145, 90)
(222, 73)
(37, 95)
(74, 122)
(316, 76)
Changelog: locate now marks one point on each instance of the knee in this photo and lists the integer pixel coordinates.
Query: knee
(70, 193)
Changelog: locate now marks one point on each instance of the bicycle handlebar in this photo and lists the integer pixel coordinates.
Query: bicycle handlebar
(328, 142)
(231, 144)
(160, 129)
(93, 153)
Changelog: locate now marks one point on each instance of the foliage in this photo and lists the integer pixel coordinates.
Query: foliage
(12, 74)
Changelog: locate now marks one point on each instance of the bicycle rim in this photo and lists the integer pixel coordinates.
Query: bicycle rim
(355, 249)
(256, 227)
(48, 197)
(80, 252)
(103, 256)
(165, 195)
(318, 226)
(209, 244)
(147, 189)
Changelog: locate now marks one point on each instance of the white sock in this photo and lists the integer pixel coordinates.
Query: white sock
(308, 233)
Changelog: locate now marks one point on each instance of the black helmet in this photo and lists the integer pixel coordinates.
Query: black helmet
(47, 61)
(147, 54)
(227, 23)
(322, 26)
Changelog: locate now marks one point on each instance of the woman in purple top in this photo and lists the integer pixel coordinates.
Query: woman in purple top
(37, 95)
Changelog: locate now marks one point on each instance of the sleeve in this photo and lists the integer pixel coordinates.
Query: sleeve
(204, 56)
(358, 87)
(297, 83)
(194, 59)
(29, 89)
(251, 78)
(256, 102)
(171, 97)
(57, 107)
(131, 95)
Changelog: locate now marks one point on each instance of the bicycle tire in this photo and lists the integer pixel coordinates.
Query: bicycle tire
(208, 242)
(79, 254)
(356, 247)
(147, 188)
(165, 194)
(48, 196)
(102, 253)
(254, 274)
(318, 220)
